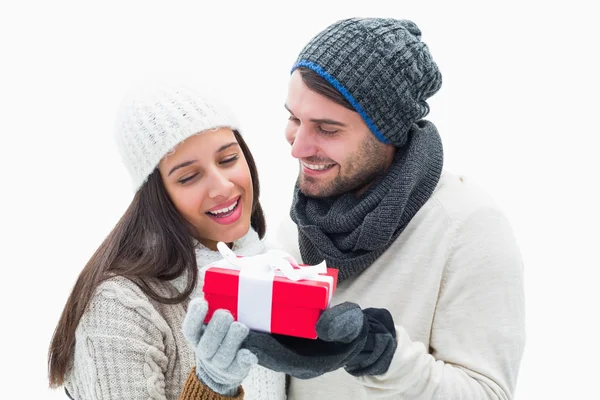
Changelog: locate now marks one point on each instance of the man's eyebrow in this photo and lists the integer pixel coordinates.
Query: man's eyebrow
(325, 121)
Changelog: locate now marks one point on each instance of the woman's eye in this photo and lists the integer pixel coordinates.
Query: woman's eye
(293, 119)
(183, 181)
(229, 160)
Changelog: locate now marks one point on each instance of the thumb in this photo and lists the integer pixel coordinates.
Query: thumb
(245, 358)
(341, 323)
(194, 320)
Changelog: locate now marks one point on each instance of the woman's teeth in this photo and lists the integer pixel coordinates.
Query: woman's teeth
(224, 210)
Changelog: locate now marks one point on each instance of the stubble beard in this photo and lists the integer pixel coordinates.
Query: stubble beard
(361, 169)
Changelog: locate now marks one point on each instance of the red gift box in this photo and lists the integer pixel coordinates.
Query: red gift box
(295, 306)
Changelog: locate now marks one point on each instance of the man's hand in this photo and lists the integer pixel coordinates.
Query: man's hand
(361, 341)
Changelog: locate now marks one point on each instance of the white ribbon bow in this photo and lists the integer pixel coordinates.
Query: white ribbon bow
(273, 261)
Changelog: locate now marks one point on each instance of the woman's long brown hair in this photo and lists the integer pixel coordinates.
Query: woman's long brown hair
(150, 242)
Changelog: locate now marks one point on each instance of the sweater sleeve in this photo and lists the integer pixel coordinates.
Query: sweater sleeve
(196, 390)
(120, 348)
(478, 331)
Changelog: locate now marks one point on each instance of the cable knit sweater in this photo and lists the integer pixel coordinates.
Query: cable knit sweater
(453, 281)
(129, 346)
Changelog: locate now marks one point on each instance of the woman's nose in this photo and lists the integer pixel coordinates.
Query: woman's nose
(220, 185)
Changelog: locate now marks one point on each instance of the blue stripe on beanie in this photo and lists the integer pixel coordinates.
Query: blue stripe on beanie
(340, 88)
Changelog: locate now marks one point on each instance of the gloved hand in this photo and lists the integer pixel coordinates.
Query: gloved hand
(361, 341)
(221, 363)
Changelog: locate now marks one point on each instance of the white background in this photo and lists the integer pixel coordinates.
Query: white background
(517, 113)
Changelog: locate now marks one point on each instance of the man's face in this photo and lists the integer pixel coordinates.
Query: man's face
(337, 151)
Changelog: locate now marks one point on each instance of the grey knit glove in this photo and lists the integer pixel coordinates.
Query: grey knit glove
(361, 341)
(221, 363)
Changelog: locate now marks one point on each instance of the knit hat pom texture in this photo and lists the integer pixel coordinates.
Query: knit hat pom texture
(382, 68)
(155, 117)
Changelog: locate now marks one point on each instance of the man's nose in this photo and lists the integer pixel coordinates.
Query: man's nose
(303, 143)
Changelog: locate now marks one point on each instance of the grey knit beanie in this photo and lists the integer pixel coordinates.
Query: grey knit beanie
(381, 67)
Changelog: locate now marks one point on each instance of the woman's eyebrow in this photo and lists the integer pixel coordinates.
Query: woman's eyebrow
(226, 146)
(183, 164)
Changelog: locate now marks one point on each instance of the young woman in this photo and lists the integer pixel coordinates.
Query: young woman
(128, 329)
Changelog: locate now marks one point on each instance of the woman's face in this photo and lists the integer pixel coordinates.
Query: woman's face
(208, 179)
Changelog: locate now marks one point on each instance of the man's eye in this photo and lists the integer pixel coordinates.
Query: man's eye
(293, 119)
(327, 132)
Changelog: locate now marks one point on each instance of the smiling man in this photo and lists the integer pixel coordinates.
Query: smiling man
(337, 151)
(429, 250)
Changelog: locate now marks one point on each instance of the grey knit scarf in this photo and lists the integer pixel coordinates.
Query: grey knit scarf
(350, 233)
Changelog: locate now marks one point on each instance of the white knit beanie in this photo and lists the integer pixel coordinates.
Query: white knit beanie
(154, 118)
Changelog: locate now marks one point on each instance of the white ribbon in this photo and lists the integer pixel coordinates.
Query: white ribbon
(273, 260)
(255, 288)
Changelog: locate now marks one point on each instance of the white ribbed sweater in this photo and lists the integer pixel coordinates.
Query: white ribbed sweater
(131, 347)
(453, 281)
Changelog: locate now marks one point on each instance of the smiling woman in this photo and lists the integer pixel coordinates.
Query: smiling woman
(135, 312)
(211, 190)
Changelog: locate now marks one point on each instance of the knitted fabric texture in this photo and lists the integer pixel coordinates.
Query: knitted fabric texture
(261, 383)
(154, 118)
(453, 283)
(221, 362)
(361, 341)
(381, 67)
(350, 233)
(129, 346)
(193, 389)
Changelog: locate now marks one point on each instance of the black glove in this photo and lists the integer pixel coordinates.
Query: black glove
(361, 341)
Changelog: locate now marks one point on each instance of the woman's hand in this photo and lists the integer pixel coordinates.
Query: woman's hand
(221, 362)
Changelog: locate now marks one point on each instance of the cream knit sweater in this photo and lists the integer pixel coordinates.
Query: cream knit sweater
(453, 281)
(131, 347)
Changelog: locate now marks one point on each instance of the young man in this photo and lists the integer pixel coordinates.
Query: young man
(430, 303)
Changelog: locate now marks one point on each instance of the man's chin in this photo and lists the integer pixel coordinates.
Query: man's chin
(310, 189)
(318, 190)
(309, 192)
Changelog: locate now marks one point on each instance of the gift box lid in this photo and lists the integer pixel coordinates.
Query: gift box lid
(302, 293)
